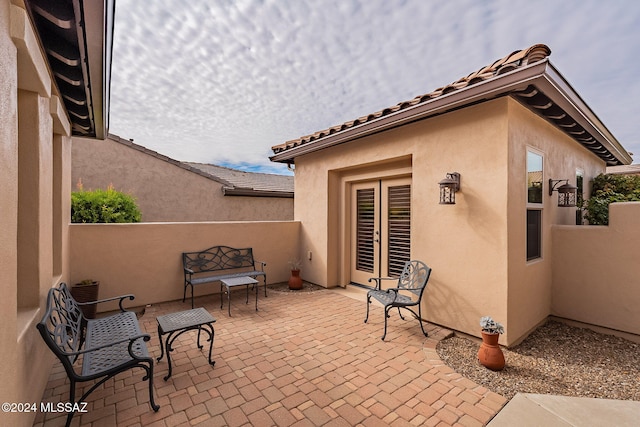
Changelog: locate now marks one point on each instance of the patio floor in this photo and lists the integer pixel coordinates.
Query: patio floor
(304, 359)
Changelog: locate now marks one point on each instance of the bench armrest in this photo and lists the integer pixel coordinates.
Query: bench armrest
(188, 270)
(131, 340)
(121, 298)
(379, 279)
(262, 264)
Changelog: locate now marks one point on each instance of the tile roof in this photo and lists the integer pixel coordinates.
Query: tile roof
(514, 60)
(525, 74)
(234, 182)
(624, 169)
(240, 180)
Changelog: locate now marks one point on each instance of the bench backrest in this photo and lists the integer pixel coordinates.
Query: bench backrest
(414, 277)
(61, 326)
(218, 258)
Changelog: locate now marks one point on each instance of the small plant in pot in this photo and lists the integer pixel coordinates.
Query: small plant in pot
(490, 354)
(295, 281)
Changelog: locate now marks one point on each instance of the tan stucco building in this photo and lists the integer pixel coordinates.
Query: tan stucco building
(498, 128)
(54, 74)
(360, 184)
(169, 190)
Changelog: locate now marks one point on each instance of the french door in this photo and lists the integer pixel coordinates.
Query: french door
(380, 228)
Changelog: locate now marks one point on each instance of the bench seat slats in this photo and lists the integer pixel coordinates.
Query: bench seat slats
(218, 277)
(106, 330)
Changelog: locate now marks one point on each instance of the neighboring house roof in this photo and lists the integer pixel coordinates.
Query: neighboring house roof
(78, 39)
(241, 183)
(527, 75)
(234, 182)
(624, 170)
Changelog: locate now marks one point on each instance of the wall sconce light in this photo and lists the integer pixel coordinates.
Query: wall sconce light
(448, 188)
(566, 192)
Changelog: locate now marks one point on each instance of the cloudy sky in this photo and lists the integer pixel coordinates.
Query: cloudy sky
(221, 81)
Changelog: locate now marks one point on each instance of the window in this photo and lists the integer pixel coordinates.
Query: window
(534, 178)
(534, 234)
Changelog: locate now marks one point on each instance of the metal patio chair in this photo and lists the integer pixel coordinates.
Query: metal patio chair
(408, 293)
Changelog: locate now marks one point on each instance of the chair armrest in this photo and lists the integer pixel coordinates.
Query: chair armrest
(188, 270)
(121, 298)
(262, 264)
(378, 280)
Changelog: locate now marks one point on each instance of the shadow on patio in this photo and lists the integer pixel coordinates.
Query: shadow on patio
(302, 359)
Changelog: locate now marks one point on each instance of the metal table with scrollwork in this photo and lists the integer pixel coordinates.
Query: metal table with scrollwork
(175, 324)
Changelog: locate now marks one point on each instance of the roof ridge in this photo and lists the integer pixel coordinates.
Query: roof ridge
(515, 59)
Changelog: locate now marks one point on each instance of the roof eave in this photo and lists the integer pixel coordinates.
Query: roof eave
(540, 74)
(562, 94)
(250, 192)
(99, 18)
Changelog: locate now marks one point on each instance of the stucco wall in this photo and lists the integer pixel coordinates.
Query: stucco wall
(596, 271)
(476, 247)
(34, 208)
(145, 259)
(8, 207)
(465, 244)
(164, 191)
(531, 282)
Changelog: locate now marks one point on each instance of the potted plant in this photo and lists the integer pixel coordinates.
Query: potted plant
(490, 354)
(295, 281)
(86, 291)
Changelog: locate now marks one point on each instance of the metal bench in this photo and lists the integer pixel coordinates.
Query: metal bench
(217, 263)
(408, 293)
(101, 347)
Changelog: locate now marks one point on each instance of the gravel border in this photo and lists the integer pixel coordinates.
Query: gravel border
(555, 359)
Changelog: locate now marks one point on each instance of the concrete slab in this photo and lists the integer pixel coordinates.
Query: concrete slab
(526, 410)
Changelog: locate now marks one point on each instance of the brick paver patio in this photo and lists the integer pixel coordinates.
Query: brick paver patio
(304, 359)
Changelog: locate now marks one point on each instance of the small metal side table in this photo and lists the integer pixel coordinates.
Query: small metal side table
(237, 281)
(176, 324)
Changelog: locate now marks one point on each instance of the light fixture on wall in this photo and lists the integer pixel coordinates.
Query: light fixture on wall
(566, 192)
(448, 188)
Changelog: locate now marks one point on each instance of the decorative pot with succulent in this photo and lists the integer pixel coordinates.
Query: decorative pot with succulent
(295, 281)
(490, 354)
(86, 291)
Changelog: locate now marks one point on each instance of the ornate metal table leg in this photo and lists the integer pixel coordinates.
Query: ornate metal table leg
(169, 350)
(161, 344)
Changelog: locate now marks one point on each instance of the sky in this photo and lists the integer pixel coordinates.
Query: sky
(221, 82)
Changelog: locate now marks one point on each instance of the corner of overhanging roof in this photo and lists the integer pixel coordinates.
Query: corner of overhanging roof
(514, 60)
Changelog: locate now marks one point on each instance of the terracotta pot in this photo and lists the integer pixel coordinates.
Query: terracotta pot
(490, 354)
(295, 281)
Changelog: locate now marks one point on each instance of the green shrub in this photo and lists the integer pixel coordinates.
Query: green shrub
(102, 206)
(608, 188)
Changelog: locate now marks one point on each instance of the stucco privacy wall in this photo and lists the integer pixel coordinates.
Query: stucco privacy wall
(8, 207)
(531, 282)
(596, 271)
(164, 191)
(465, 244)
(144, 259)
(34, 207)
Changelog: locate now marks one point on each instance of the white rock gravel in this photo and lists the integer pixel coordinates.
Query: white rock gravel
(555, 359)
